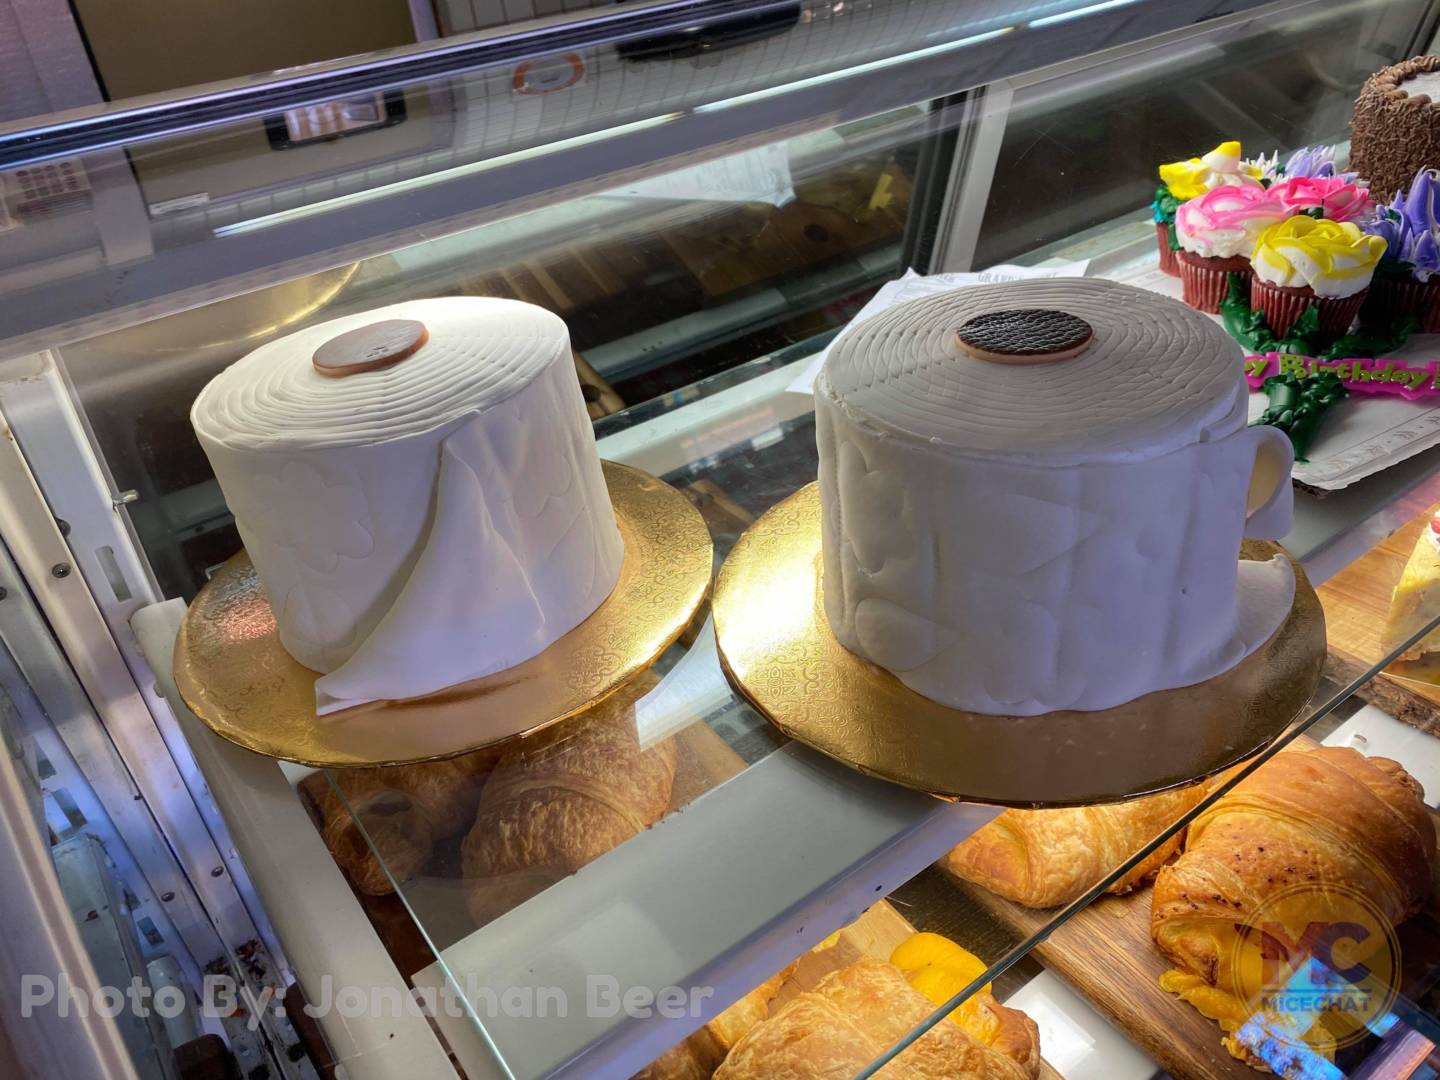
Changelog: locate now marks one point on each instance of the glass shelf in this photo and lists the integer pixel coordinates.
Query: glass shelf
(719, 740)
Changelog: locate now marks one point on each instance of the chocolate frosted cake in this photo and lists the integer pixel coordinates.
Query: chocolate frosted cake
(1395, 131)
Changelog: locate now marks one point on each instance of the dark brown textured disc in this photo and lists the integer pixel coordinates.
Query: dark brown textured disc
(1024, 336)
(367, 348)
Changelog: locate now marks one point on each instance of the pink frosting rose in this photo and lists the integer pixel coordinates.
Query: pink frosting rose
(1337, 199)
(1224, 222)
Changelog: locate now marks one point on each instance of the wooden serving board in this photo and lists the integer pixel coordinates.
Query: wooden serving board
(1356, 603)
(1106, 954)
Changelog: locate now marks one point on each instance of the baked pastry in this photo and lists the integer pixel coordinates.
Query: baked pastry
(1045, 858)
(1216, 232)
(1292, 842)
(423, 523)
(1395, 131)
(858, 1012)
(697, 1057)
(1053, 573)
(1303, 262)
(1416, 599)
(560, 799)
(404, 810)
(940, 969)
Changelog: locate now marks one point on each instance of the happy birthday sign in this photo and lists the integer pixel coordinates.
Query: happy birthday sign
(1365, 375)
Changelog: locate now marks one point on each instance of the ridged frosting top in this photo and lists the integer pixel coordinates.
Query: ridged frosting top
(479, 352)
(1334, 258)
(1225, 221)
(1335, 198)
(1157, 376)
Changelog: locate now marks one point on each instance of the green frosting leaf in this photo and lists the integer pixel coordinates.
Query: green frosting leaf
(1246, 326)
(1304, 329)
(1164, 206)
(1369, 341)
(1250, 329)
(1297, 406)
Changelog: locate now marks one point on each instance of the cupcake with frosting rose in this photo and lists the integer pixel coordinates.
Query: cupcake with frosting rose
(1324, 196)
(1184, 180)
(1407, 281)
(1304, 260)
(1217, 232)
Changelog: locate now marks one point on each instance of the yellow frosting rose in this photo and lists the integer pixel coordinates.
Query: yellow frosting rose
(1187, 179)
(1333, 257)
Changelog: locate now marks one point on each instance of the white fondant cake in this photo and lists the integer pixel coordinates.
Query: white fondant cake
(425, 523)
(1017, 538)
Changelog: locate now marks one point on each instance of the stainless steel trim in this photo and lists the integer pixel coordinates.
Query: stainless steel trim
(976, 155)
(389, 216)
(98, 127)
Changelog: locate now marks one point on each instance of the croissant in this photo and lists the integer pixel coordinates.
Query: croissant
(404, 809)
(560, 799)
(1045, 858)
(1305, 830)
(697, 1057)
(858, 1012)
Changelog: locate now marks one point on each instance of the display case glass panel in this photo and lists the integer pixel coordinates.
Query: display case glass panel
(697, 286)
(1082, 141)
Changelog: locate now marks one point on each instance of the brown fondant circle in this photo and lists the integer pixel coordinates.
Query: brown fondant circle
(370, 347)
(1025, 336)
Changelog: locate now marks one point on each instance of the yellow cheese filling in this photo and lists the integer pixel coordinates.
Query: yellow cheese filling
(1229, 1005)
(940, 969)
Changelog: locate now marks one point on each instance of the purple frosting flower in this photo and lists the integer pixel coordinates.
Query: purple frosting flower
(1410, 228)
(1316, 161)
(1390, 225)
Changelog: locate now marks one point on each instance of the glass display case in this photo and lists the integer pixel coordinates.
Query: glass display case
(706, 194)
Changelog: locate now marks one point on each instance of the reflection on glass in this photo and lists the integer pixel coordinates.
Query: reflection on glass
(662, 283)
(1081, 149)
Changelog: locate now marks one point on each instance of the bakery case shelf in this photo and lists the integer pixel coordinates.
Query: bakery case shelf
(664, 886)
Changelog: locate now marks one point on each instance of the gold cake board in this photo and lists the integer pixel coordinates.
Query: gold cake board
(778, 651)
(238, 679)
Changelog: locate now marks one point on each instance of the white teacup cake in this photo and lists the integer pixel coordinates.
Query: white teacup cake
(1034, 495)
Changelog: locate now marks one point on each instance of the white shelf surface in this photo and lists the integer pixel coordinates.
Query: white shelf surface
(1077, 1041)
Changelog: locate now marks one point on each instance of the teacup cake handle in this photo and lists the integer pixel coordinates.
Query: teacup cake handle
(1270, 507)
